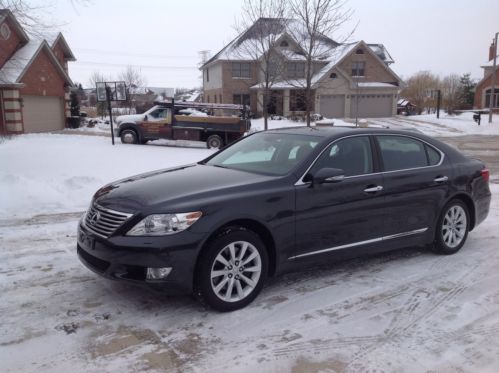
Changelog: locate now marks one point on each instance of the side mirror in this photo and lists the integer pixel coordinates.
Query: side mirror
(327, 176)
(145, 117)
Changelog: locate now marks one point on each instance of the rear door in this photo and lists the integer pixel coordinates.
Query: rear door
(345, 214)
(415, 181)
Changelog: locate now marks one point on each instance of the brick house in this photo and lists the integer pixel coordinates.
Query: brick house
(349, 80)
(484, 86)
(34, 81)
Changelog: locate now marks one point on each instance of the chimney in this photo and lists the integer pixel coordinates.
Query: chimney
(492, 50)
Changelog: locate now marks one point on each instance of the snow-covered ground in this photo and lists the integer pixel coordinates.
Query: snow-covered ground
(405, 311)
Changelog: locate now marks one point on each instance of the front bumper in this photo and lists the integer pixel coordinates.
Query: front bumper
(127, 258)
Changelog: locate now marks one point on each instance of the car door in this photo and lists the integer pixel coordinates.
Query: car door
(344, 214)
(157, 123)
(416, 178)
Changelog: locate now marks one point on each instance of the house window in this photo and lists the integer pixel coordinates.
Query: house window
(5, 31)
(296, 70)
(495, 102)
(333, 76)
(207, 74)
(358, 68)
(208, 99)
(220, 98)
(215, 99)
(241, 70)
(241, 99)
(284, 44)
(297, 101)
(359, 51)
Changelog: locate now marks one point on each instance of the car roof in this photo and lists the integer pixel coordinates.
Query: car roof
(331, 132)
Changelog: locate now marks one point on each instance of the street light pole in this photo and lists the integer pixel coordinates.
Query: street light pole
(493, 88)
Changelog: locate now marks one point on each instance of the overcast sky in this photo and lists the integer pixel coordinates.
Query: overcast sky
(163, 37)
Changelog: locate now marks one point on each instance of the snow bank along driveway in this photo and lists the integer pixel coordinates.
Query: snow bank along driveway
(408, 310)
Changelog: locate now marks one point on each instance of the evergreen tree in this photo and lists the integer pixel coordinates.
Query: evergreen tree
(467, 91)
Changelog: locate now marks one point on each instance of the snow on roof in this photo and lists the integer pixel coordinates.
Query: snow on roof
(376, 85)
(491, 63)
(13, 69)
(295, 83)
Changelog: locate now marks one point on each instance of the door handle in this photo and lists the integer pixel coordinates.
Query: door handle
(441, 179)
(373, 189)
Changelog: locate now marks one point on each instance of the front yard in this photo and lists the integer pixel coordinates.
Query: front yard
(408, 310)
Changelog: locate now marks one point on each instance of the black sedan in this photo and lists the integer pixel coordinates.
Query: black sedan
(278, 200)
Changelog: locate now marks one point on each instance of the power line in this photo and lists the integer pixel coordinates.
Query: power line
(120, 53)
(95, 63)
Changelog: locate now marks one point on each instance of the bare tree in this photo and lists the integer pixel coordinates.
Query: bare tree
(418, 89)
(262, 24)
(452, 92)
(133, 79)
(317, 22)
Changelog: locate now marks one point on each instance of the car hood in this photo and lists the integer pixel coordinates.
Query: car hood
(129, 118)
(174, 187)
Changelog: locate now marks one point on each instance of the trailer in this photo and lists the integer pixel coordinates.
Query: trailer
(184, 120)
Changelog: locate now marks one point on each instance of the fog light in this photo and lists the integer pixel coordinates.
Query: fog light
(158, 273)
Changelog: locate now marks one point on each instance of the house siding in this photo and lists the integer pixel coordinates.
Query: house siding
(42, 78)
(480, 89)
(375, 71)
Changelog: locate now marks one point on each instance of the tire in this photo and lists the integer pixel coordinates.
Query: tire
(223, 281)
(452, 228)
(214, 141)
(129, 137)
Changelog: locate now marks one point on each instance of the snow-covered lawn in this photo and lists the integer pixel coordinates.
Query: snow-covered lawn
(51, 173)
(405, 311)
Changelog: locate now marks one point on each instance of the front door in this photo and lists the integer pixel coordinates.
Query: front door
(157, 124)
(344, 214)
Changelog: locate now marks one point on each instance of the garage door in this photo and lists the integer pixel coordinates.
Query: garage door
(42, 113)
(371, 106)
(332, 106)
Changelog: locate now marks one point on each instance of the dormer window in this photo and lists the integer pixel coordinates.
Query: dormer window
(359, 51)
(284, 44)
(333, 75)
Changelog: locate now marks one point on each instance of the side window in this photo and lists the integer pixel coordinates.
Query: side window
(353, 155)
(433, 155)
(400, 153)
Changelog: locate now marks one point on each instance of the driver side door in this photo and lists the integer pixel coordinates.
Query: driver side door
(157, 123)
(344, 214)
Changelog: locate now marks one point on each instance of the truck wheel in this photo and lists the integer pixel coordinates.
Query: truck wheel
(129, 137)
(214, 141)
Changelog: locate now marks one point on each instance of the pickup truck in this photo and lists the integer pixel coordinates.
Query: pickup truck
(185, 121)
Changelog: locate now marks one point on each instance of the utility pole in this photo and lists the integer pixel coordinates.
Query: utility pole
(492, 89)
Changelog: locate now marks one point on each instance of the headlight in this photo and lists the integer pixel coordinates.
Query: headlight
(164, 224)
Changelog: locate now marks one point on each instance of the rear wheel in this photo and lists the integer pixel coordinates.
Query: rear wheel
(129, 137)
(214, 141)
(232, 270)
(452, 228)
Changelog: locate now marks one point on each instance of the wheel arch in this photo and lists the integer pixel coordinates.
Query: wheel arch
(130, 126)
(468, 201)
(249, 224)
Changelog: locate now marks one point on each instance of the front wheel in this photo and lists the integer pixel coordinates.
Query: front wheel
(214, 141)
(232, 270)
(129, 137)
(452, 228)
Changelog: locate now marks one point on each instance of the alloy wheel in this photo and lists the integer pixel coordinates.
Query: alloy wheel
(235, 271)
(454, 226)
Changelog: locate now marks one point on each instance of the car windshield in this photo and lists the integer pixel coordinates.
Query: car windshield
(266, 153)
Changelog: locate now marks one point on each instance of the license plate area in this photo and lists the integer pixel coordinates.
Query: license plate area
(86, 241)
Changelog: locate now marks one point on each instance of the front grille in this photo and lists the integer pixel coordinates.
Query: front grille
(104, 222)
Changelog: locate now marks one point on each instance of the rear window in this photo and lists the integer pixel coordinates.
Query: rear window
(400, 153)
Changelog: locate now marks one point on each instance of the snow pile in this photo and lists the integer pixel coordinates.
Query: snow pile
(193, 112)
(60, 173)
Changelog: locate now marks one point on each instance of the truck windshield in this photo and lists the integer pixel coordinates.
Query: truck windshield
(266, 153)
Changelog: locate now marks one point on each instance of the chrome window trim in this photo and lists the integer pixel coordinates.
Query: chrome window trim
(354, 244)
(442, 156)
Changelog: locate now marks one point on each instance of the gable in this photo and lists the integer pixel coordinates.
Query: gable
(375, 69)
(43, 76)
(9, 45)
